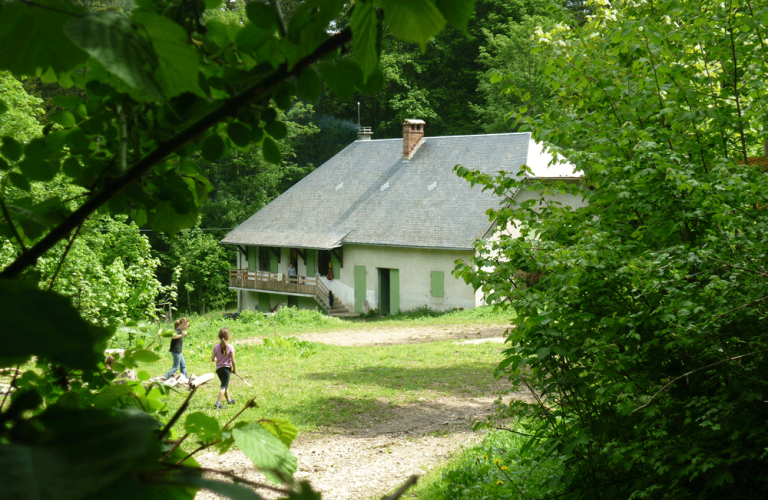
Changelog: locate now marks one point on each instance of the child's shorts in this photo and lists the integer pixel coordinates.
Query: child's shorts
(224, 372)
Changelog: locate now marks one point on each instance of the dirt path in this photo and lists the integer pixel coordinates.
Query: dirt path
(367, 459)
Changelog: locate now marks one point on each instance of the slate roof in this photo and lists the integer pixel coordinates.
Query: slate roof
(369, 194)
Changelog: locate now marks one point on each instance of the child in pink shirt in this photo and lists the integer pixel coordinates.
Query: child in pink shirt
(224, 357)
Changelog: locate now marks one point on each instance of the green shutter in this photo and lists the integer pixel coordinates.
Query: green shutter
(394, 291)
(311, 262)
(360, 287)
(438, 284)
(252, 256)
(273, 261)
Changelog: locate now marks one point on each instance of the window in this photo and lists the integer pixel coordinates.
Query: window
(263, 258)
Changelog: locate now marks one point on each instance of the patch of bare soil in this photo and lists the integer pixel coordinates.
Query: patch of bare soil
(367, 459)
(381, 335)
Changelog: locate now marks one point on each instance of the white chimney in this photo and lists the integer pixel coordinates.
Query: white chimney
(364, 133)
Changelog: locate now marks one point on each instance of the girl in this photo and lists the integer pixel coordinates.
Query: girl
(177, 342)
(224, 357)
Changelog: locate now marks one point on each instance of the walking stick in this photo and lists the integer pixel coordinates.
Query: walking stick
(244, 381)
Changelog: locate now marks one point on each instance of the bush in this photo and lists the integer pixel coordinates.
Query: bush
(494, 469)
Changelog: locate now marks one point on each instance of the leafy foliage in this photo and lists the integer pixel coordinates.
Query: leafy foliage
(642, 325)
(200, 268)
(157, 85)
(492, 469)
(440, 85)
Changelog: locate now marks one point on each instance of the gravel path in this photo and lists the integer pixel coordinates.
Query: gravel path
(365, 460)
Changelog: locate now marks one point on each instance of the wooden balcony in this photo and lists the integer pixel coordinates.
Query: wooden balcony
(273, 282)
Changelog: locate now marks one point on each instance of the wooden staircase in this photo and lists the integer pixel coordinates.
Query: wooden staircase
(339, 310)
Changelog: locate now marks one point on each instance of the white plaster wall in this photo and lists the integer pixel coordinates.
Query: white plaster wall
(340, 289)
(415, 266)
(250, 300)
(565, 199)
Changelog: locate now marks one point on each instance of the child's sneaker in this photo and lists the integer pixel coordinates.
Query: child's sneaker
(231, 401)
(218, 406)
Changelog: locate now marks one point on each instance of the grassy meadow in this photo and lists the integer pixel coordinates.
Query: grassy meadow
(315, 385)
(320, 387)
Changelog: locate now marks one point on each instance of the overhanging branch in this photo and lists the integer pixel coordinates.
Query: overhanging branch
(229, 108)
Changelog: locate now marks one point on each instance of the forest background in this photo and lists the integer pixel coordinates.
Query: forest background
(641, 319)
(119, 271)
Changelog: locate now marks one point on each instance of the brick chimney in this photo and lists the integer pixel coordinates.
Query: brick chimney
(413, 133)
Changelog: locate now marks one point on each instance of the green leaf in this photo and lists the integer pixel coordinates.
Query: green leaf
(413, 20)
(36, 35)
(113, 41)
(270, 151)
(266, 451)
(60, 335)
(283, 96)
(36, 169)
(19, 181)
(11, 148)
(251, 37)
(165, 218)
(71, 168)
(4, 165)
(457, 12)
(239, 134)
(261, 14)
(64, 118)
(342, 77)
(143, 356)
(37, 218)
(177, 59)
(217, 33)
(282, 429)
(68, 101)
(212, 148)
(224, 489)
(276, 129)
(366, 36)
(310, 84)
(207, 428)
(84, 451)
(374, 81)
(213, 4)
(3, 107)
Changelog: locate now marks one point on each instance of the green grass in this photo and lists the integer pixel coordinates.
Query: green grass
(476, 474)
(291, 321)
(318, 386)
(315, 385)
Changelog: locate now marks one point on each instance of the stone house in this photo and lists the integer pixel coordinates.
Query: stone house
(388, 218)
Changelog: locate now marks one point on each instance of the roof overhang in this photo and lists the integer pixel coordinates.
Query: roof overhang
(322, 240)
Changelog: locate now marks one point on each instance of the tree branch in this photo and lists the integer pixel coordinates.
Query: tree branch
(402, 489)
(178, 414)
(10, 386)
(16, 234)
(112, 188)
(64, 257)
(694, 371)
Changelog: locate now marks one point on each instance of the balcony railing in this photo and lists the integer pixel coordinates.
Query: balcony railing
(272, 282)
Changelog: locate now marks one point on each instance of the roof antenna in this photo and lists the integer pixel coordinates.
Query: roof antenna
(358, 115)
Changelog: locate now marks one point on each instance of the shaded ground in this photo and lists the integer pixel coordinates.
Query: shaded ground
(367, 458)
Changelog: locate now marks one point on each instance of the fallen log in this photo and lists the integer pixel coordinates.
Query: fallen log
(202, 379)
